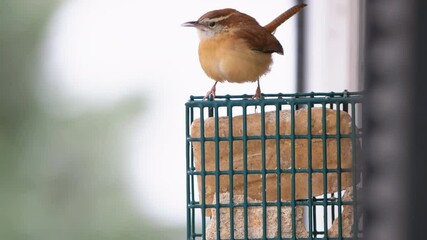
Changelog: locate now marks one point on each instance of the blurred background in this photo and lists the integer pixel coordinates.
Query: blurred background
(92, 96)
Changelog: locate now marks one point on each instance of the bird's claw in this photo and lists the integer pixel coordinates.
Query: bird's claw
(257, 94)
(210, 95)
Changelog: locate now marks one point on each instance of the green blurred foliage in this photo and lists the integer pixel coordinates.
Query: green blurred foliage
(61, 176)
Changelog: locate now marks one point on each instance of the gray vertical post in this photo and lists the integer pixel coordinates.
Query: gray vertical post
(417, 198)
(301, 47)
(395, 120)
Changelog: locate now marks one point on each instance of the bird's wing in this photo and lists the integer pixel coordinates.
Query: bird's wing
(259, 39)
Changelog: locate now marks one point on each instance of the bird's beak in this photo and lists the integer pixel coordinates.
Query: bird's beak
(190, 24)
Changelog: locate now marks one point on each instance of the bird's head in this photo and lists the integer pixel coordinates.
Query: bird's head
(218, 21)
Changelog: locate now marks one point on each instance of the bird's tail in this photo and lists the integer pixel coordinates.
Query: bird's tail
(271, 27)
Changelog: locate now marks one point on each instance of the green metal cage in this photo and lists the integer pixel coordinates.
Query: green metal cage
(274, 168)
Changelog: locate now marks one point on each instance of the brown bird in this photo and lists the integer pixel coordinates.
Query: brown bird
(234, 47)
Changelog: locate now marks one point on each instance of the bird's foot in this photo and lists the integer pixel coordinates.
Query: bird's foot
(257, 94)
(210, 95)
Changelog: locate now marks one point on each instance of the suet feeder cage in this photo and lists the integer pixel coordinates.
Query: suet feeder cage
(281, 167)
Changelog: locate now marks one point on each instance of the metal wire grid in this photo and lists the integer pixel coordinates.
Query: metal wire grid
(196, 107)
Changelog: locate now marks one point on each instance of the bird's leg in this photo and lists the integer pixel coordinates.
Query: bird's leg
(211, 92)
(257, 92)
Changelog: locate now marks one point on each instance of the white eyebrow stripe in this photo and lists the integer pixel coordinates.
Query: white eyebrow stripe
(220, 18)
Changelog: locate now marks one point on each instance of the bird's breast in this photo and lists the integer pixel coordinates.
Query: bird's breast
(225, 58)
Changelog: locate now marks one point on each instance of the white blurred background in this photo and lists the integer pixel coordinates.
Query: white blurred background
(110, 79)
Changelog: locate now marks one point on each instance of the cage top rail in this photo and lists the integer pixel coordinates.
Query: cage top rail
(344, 93)
(270, 99)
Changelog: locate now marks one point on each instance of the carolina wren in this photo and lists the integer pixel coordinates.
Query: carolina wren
(234, 47)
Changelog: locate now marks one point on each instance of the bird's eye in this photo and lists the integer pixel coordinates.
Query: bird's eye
(211, 24)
